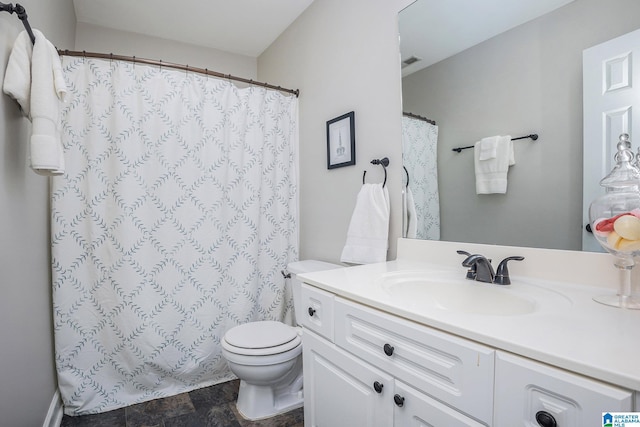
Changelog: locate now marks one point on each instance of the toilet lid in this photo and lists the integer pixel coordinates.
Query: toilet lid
(264, 334)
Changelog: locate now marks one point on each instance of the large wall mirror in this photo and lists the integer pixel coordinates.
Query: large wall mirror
(518, 75)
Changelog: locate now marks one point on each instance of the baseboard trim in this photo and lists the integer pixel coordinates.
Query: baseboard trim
(55, 413)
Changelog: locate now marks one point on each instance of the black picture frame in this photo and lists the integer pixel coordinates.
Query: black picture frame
(341, 141)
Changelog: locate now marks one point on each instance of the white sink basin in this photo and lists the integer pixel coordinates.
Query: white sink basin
(426, 290)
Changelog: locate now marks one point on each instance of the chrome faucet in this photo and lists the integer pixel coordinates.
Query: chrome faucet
(480, 268)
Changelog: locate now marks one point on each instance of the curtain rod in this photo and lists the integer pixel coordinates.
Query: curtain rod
(22, 15)
(415, 116)
(161, 64)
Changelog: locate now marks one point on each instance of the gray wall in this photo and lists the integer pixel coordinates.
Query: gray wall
(343, 56)
(94, 38)
(27, 373)
(524, 81)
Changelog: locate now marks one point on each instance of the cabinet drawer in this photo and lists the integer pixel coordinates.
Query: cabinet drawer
(317, 315)
(453, 370)
(525, 387)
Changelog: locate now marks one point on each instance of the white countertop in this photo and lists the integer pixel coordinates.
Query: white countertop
(574, 332)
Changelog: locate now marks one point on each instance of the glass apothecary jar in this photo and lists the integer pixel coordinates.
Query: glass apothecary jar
(615, 222)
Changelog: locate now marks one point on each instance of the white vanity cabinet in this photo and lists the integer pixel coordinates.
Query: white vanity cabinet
(375, 369)
(526, 389)
(341, 390)
(455, 371)
(364, 367)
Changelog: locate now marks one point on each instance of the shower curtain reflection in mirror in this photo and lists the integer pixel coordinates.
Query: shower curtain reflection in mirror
(421, 200)
(173, 222)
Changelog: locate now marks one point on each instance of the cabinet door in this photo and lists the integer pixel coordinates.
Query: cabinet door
(339, 389)
(525, 388)
(419, 410)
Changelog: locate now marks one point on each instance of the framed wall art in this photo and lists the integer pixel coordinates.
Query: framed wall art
(341, 141)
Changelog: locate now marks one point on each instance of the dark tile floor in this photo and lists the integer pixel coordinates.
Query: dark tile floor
(207, 407)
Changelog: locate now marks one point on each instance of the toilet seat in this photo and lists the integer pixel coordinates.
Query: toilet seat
(261, 339)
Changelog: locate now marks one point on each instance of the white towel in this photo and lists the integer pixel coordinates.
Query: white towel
(488, 147)
(17, 77)
(411, 218)
(368, 234)
(34, 78)
(491, 174)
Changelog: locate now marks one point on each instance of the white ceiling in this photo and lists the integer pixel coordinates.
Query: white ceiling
(430, 29)
(437, 29)
(245, 27)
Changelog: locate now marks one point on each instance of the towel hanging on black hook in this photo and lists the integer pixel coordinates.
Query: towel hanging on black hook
(384, 163)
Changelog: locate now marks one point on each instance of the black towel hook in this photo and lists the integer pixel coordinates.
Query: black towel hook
(384, 162)
(22, 15)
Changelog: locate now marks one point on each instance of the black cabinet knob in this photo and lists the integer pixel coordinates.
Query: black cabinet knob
(388, 349)
(377, 386)
(312, 311)
(545, 419)
(399, 400)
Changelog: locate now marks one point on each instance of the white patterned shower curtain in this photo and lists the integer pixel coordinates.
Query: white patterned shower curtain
(175, 217)
(420, 158)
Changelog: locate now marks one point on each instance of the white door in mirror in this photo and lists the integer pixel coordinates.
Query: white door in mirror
(611, 107)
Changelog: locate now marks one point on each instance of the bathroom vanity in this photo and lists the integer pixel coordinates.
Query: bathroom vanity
(411, 342)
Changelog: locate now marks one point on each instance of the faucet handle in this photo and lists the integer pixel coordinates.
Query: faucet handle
(471, 272)
(502, 273)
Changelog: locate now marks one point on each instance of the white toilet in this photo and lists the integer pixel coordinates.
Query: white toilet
(267, 357)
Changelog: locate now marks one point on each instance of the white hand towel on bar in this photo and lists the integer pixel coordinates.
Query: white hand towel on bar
(491, 173)
(34, 78)
(368, 234)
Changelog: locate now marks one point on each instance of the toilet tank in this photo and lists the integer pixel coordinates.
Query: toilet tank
(300, 267)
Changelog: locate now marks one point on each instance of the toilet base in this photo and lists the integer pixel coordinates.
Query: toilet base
(259, 402)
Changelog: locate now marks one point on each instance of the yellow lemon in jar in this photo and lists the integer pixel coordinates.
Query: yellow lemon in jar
(627, 227)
